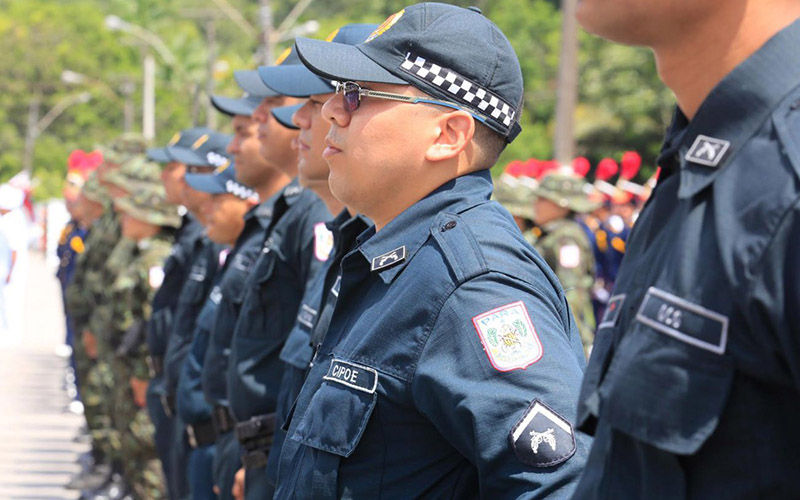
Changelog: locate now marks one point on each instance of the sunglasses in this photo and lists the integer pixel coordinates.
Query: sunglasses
(353, 92)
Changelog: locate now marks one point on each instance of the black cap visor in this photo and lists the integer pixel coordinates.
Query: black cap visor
(232, 106)
(159, 155)
(284, 115)
(184, 155)
(207, 183)
(294, 80)
(337, 61)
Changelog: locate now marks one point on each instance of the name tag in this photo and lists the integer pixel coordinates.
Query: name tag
(198, 273)
(611, 314)
(242, 262)
(683, 320)
(306, 316)
(352, 375)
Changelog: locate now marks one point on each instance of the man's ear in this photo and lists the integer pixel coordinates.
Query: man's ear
(456, 129)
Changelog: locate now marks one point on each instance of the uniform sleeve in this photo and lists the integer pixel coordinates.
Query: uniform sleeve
(499, 377)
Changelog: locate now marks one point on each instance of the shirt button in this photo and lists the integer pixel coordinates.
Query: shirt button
(448, 225)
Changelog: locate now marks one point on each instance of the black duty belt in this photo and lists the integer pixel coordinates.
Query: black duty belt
(223, 419)
(155, 364)
(255, 436)
(168, 403)
(201, 433)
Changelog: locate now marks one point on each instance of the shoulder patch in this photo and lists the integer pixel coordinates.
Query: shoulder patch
(509, 337)
(156, 276)
(542, 437)
(569, 256)
(323, 241)
(707, 151)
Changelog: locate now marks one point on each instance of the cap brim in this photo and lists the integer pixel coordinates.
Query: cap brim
(294, 80)
(337, 61)
(184, 155)
(207, 183)
(158, 155)
(232, 106)
(284, 115)
(249, 81)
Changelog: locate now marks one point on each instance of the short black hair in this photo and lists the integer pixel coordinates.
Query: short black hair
(490, 145)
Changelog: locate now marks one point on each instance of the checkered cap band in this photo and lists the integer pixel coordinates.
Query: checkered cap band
(461, 89)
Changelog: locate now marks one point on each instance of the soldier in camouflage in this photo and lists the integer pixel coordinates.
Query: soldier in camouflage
(517, 198)
(565, 246)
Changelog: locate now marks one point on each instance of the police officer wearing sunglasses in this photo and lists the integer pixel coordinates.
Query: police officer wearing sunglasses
(451, 362)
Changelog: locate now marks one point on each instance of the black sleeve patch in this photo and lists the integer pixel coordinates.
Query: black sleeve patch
(542, 437)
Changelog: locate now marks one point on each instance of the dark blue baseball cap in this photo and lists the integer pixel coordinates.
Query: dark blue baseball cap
(249, 81)
(208, 150)
(232, 106)
(297, 81)
(284, 115)
(180, 141)
(223, 180)
(450, 53)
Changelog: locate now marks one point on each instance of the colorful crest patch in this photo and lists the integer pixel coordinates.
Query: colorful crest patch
(156, 276)
(384, 27)
(323, 241)
(508, 337)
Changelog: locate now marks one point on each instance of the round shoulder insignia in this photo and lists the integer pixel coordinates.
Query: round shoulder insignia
(156, 276)
(323, 241)
(569, 256)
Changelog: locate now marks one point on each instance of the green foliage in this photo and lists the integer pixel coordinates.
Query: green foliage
(622, 104)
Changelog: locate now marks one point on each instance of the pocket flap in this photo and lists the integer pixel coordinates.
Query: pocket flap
(339, 411)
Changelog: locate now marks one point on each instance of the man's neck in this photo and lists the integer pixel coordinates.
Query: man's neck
(323, 190)
(694, 63)
(272, 185)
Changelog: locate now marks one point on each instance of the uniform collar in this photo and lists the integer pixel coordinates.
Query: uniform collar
(264, 210)
(734, 110)
(388, 251)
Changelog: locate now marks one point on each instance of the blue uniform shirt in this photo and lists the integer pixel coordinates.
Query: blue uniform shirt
(294, 249)
(188, 239)
(313, 316)
(449, 367)
(692, 388)
(190, 302)
(67, 251)
(242, 257)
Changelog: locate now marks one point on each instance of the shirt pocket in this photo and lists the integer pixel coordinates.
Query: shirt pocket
(193, 291)
(339, 411)
(670, 378)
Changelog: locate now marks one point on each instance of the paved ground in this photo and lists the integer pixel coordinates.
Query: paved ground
(37, 451)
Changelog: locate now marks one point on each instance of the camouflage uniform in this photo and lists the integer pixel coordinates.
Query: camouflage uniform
(567, 250)
(131, 307)
(517, 198)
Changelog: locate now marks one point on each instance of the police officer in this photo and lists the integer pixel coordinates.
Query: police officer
(565, 246)
(289, 258)
(451, 358)
(320, 295)
(263, 175)
(176, 271)
(223, 215)
(692, 387)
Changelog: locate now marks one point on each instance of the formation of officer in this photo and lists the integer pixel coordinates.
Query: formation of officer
(334, 303)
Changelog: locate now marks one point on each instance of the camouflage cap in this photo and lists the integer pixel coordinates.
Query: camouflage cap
(94, 191)
(517, 198)
(123, 148)
(133, 171)
(149, 204)
(567, 191)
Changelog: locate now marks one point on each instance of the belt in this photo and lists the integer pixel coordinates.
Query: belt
(201, 434)
(168, 403)
(255, 436)
(223, 419)
(155, 364)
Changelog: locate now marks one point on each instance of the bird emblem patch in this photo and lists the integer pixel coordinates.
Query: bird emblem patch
(508, 337)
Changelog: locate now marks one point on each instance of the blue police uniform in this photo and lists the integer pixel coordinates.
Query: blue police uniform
(448, 368)
(313, 316)
(691, 391)
(176, 270)
(215, 365)
(287, 264)
(70, 245)
(191, 404)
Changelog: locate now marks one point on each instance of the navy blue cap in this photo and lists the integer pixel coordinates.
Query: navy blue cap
(208, 150)
(232, 106)
(182, 140)
(448, 52)
(249, 81)
(297, 81)
(223, 180)
(284, 115)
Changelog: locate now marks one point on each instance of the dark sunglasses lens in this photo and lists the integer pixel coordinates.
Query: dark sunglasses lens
(351, 98)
